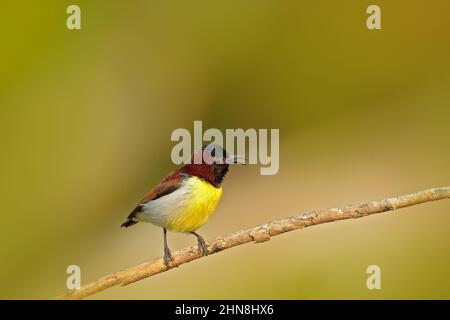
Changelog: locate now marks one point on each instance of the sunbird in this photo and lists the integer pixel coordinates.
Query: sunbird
(185, 199)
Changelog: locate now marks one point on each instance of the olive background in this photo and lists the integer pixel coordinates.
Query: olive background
(86, 117)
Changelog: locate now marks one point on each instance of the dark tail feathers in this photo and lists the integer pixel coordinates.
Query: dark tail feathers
(128, 223)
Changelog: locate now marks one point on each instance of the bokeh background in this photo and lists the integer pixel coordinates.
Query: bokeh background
(86, 118)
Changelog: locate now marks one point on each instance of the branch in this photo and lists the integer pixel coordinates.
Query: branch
(260, 233)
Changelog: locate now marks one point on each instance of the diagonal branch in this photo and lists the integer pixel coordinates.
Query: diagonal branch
(260, 233)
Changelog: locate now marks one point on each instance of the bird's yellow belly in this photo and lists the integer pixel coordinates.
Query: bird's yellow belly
(197, 207)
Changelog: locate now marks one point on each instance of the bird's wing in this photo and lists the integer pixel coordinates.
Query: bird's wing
(167, 186)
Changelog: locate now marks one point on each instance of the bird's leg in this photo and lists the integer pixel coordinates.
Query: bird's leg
(202, 247)
(167, 253)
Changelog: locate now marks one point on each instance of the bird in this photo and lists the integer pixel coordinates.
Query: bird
(186, 198)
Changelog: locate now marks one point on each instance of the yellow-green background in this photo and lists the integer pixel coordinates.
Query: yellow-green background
(86, 118)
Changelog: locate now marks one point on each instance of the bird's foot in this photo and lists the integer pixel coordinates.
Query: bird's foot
(167, 257)
(202, 247)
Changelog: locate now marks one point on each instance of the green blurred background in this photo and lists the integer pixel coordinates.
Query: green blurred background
(86, 118)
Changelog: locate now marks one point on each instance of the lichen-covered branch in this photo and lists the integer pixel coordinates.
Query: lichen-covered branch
(260, 233)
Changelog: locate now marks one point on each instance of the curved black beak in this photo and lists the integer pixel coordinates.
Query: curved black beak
(236, 159)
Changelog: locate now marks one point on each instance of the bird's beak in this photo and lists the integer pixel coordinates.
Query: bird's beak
(237, 159)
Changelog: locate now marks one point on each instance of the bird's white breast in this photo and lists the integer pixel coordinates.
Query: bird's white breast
(185, 209)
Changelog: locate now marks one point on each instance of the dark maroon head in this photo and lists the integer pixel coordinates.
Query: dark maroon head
(210, 163)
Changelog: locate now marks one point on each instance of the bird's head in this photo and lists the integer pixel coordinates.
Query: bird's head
(211, 163)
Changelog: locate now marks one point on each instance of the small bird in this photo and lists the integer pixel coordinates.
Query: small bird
(185, 199)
